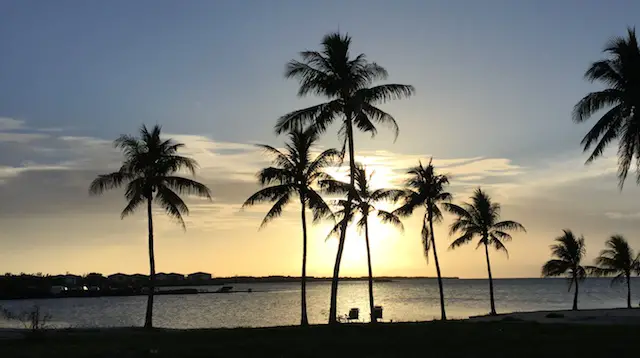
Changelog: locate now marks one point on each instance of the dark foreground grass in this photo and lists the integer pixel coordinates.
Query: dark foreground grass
(431, 339)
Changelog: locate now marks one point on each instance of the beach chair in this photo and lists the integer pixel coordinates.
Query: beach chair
(354, 315)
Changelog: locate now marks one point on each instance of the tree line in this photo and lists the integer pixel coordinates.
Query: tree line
(348, 83)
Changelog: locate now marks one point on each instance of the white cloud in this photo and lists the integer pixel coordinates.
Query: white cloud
(10, 124)
(622, 216)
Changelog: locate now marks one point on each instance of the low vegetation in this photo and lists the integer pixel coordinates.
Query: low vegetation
(440, 339)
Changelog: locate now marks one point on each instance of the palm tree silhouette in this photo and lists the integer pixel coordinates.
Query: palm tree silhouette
(617, 259)
(363, 205)
(148, 171)
(568, 252)
(346, 82)
(619, 72)
(425, 188)
(295, 173)
(480, 218)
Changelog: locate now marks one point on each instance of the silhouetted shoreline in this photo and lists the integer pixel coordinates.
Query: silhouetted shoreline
(95, 285)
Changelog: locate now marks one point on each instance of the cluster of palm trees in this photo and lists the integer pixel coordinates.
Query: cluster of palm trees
(617, 259)
(151, 166)
(619, 72)
(296, 173)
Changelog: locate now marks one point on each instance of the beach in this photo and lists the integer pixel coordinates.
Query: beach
(614, 316)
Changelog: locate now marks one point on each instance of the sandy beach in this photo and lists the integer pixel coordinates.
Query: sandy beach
(597, 316)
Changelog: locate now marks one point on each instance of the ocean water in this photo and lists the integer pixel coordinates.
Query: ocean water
(278, 304)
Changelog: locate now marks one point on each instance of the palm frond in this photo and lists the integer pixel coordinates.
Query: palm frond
(172, 204)
(595, 101)
(462, 240)
(187, 186)
(391, 195)
(377, 115)
(509, 225)
(553, 268)
(110, 181)
(269, 194)
(277, 208)
(498, 245)
(320, 116)
(278, 158)
(318, 206)
(390, 218)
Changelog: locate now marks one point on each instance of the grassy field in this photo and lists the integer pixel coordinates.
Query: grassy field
(432, 339)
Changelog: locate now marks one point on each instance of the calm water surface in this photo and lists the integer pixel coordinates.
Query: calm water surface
(279, 304)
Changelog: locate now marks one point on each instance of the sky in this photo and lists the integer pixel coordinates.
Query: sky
(495, 85)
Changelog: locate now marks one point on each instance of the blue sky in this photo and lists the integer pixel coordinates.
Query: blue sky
(494, 79)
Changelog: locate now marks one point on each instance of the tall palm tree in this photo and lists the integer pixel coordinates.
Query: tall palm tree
(620, 73)
(426, 189)
(617, 259)
(364, 205)
(480, 218)
(568, 252)
(347, 84)
(295, 173)
(149, 174)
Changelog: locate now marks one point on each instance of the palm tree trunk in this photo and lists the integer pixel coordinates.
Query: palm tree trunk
(628, 291)
(148, 319)
(575, 295)
(303, 279)
(443, 313)
(366, 237)
(333, 308)
(493, 304)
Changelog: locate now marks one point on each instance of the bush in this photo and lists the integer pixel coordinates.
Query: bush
(554, 315)
(34, 319)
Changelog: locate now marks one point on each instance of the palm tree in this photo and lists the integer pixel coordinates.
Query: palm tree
(149, 173)
(347, 83)
(295, 173)
(620, 73)
(425, 188)
(481, 218)
(364, 206)
(568, 253)
(617, 259)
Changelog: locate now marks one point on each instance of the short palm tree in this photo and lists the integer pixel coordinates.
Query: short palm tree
(568, 252)
(617, 259)
(347, 84)
(620, 73)
(295, 173)
(426, 189)
(480, 218)
(149, 174)
(364, 205)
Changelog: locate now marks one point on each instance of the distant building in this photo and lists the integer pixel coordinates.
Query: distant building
(169, 276)
(199, 276)
(139, 278)
(67, 280)
(119, 278)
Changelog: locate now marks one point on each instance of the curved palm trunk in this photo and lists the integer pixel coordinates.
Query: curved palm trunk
(628, 290)
(333, 308)
(303, 279)
(366, 237)
(443, 313)
(493, 304)
(575, 295)
(148, 319)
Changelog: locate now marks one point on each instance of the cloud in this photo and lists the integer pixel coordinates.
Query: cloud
(9, 124)
(44, 182)
(622, 216)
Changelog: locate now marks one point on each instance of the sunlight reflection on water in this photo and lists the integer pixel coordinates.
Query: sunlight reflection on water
(278, 304)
